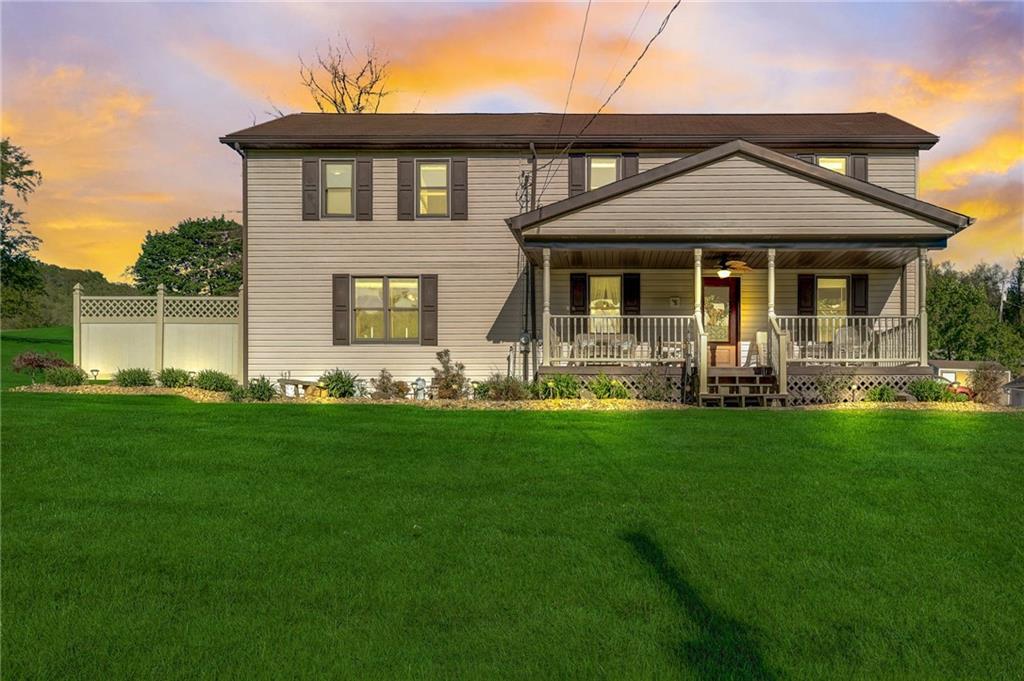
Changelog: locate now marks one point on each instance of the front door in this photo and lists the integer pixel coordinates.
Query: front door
(721, 305)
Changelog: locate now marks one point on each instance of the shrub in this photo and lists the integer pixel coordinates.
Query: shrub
(881, 393)
(239, 393)
(260, 389)
(385, 387)
(559, 386)
(36, 363)
(64, 375)
(217, 381)
(173, 378)
(654, 385)
(503, 389)
(450, 382)
(606, 388)
(930, 390)
(987, 383)
(136, 377)
(340, 383)
(831, 387)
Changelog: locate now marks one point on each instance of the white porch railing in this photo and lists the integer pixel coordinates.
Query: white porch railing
(852, 339)
(778, 352)
(582, 340)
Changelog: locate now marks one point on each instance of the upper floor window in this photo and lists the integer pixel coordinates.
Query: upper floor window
(432, 186)
(602, 170)
(834, 163)
(337, 201)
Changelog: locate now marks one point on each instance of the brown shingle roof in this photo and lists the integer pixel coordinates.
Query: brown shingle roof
(635, 130)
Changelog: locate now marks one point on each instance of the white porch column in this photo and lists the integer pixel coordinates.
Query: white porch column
(922, 302)
(546, 332)
(698, 281)
(771, 282)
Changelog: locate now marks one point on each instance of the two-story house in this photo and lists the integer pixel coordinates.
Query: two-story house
(750, 252)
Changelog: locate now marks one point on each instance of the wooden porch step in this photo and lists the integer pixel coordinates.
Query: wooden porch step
(743, 400)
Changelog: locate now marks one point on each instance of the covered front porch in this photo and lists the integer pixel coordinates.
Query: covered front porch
(737, 260)
(776, 309)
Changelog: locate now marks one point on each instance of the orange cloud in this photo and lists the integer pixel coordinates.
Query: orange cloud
(998, 234)
(995, 155)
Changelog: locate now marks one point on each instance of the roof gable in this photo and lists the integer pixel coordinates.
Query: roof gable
(736, 185)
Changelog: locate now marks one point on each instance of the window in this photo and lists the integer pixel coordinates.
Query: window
(398, 321)
(836, 164)
(404, 309)
(432, 188)
(602, 170)
(832, 297)
(338, 188)
(605, 301)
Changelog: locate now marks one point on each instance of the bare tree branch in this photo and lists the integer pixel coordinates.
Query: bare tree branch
(339, 83)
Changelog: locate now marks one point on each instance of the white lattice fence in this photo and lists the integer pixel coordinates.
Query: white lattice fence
(848, 386)
(633, 379)
(153, 332)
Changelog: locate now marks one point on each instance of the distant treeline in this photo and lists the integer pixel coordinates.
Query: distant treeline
(52, 306)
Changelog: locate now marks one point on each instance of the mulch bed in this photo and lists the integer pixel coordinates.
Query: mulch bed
(197, 395)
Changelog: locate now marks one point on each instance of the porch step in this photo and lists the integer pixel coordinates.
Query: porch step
(743, 400)
(741, 387)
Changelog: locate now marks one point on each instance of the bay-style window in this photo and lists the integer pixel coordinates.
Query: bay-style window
(432, 188)
(337, 188)
(386, 309)
(602, 170)
(836, 164)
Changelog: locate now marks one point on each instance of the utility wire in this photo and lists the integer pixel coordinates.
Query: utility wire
(572, 78)
(629, 40)
(636, 62)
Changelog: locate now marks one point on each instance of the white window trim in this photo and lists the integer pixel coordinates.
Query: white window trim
(448, 188)
(324, 215)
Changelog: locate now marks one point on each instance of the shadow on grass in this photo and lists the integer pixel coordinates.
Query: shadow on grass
(12, 337)
(725, 648)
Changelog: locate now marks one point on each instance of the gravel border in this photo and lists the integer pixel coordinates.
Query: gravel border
(197, 395)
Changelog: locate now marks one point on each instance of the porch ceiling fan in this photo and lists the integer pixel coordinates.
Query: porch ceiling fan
(728, 264)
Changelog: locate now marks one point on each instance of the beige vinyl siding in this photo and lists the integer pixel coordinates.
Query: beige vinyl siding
(737, 195)
(897, 172)
(290, 263)
(658, 287)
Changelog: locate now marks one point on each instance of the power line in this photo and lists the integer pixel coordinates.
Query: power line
(572, 78)
(636, 62)
(629, 39)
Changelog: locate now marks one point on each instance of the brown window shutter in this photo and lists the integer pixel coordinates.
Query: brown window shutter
(630, 164)
(577, 174)
(578, 293)
(858, 294)
(406, 189)
(428, 309)
(310, 189)
(364, 189)
(631, 293)
(805, 294)
(460, 189)
(859, 166)
(340, 308)
(807, 158)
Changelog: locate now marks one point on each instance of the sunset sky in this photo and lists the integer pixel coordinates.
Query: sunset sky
(121, 105)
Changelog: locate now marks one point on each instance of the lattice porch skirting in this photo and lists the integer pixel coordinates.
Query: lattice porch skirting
(803, 382)
(630, 377)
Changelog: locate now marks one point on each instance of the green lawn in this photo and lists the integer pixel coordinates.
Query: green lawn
(150, 537)
(55, 339)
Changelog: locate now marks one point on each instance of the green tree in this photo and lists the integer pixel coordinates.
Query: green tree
(199, 256)
(1013, 307)
(18, 268)
(963, 323)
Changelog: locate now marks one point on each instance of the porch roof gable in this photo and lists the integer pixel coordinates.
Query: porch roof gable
(931, 215)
